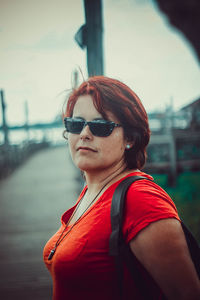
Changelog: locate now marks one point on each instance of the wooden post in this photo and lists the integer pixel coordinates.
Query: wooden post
(75, 79)
(26, 119)
(94, 39)
(4, 124)
(172, 147)
(173, 159)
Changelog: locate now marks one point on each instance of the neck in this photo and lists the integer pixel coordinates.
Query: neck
(95, 181)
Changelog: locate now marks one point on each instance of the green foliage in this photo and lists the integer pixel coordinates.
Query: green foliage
(186, 196)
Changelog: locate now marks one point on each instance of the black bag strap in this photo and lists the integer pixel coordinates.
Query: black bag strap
(121, 251)
(117, 246)
(117, 209)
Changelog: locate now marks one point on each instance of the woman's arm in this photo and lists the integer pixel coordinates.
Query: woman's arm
(162, 249)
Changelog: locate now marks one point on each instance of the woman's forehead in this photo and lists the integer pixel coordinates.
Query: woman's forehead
(85, 108)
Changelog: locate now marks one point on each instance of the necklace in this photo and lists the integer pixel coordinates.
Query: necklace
(61, 237)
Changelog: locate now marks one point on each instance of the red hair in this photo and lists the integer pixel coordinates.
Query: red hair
(112, 95)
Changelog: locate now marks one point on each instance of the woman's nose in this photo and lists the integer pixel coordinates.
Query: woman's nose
(86, 133)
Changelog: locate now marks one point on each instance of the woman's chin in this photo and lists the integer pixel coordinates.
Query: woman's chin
(84, 166)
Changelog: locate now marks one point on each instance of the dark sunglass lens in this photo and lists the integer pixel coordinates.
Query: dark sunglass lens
(74, 126)
(101, 128)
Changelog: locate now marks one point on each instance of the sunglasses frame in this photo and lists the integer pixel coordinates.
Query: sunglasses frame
(90, 123)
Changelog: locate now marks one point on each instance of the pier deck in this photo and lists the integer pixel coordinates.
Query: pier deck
(32, 201)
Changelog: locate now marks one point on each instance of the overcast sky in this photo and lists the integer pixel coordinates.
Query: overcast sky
(38, 55)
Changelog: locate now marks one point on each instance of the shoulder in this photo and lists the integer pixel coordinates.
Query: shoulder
(146, 191)
(146, 202)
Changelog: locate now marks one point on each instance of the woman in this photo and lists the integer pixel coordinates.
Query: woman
(108, 132)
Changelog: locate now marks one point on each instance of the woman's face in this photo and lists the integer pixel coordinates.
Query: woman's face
(93, 153)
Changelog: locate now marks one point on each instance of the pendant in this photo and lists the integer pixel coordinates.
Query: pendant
(51, 254)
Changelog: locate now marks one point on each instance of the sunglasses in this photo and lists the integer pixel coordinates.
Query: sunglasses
(100, 128)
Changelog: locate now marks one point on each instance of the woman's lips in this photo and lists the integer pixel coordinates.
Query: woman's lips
(85, 149)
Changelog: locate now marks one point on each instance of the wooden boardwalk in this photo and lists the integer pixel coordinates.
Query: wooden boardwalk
(32, 201)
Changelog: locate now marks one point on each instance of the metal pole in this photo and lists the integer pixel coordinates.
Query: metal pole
(4, 125)
(94, 36)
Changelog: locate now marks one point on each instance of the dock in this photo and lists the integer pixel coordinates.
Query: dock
(32, 201)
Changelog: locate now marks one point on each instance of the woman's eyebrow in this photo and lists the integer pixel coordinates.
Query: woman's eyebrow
(99, 118)
(95, 119)
(77, 117)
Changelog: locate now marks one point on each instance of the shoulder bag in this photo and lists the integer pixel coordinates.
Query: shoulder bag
(122, 252)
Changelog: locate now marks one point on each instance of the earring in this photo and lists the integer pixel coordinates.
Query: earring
(65, 135)
(128, 146)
